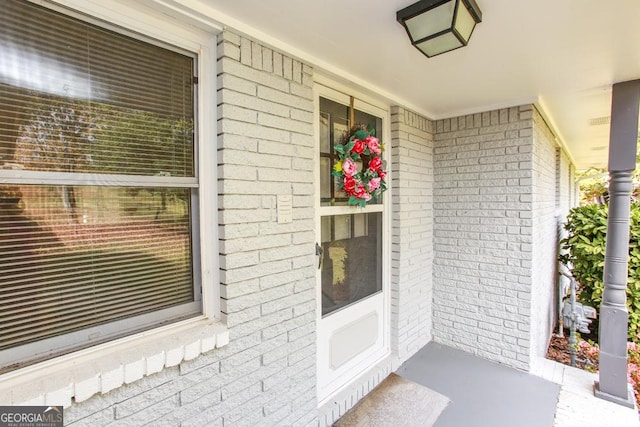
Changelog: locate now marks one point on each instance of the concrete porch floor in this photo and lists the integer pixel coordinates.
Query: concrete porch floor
(486, 394)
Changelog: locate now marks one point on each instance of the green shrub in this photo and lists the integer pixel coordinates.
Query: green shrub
(584, 248)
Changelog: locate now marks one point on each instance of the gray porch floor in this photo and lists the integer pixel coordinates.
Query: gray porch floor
(482, 393)
(486, 394)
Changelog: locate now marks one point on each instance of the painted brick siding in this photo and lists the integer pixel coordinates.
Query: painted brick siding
(266, 148)
(549, 178)
(574, 187)
(565, 182)
(483, 234)
(412, 235)
(266, 374)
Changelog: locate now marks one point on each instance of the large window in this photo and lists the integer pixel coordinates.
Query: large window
(98, 184)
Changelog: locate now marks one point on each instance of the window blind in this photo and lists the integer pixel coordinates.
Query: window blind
(77, 98)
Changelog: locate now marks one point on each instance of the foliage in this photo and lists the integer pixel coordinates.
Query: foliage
(594, 184)
(584, 251)
(594, 189)
(360, 168)
(68, 135)
(633, 368)
(58, 136)
(590, 352)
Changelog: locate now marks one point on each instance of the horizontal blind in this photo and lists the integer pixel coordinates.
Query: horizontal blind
(78, 98)
(73, 257)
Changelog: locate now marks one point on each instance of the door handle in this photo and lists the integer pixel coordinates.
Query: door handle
(319, 253)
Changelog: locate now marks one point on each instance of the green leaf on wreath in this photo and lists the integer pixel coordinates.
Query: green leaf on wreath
(339, 149)
(349, 146)
(361, 134)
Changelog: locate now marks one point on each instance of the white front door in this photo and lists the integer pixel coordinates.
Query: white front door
(352, 247)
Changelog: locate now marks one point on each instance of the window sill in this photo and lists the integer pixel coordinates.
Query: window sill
(78, 376)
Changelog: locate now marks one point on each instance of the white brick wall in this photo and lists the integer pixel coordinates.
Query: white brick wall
(565, 187)
(501, 187)
(483, 234)
(549, 178)
(343, 401)
(464, 197)
(412, 240)
(266, 374)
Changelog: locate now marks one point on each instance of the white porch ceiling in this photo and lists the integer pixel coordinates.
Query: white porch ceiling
(562, 54)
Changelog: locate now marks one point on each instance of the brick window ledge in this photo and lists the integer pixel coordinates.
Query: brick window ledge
(99, 369)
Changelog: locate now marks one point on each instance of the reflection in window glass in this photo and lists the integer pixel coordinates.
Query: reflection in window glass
(326, 229)
(342, 228)
(325, 135)
(325, 177)
(351, 268)
(73, 257)
(86, 100)
(359, 225)
(96, 254)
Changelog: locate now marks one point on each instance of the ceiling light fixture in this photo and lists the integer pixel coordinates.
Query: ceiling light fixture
(438, 26)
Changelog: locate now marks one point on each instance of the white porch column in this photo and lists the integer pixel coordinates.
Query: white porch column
(614, 316)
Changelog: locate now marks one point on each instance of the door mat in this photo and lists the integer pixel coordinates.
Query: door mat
(396, 402)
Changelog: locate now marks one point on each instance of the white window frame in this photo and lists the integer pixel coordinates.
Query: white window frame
(103, 367)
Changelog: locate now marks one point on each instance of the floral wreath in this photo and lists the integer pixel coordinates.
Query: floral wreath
(369, 182)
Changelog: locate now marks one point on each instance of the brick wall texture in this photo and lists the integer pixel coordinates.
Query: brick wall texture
(548, 179)
(266, 374)
(496, 200)
(473, 211)
(566, 185)
(482, 238)
(412, 235)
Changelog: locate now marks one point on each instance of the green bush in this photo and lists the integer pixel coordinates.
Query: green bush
(584, 248)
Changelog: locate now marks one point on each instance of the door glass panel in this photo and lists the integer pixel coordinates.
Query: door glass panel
(334, 127)
(359, 225)
(325, 178)
(351, 268)
(342, 228)
(326, 229)
(325, 135)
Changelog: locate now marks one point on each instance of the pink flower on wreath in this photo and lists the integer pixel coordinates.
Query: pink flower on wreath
(349, 167)
(373, 144)
(361, 192)
(349, 185)
(382, 174)
(359, 146)
(375, 164)
(374, 184)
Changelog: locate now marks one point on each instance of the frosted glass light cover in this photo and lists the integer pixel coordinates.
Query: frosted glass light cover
(440, 44)
(464, 23)
(439, 26)
(437, 19)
